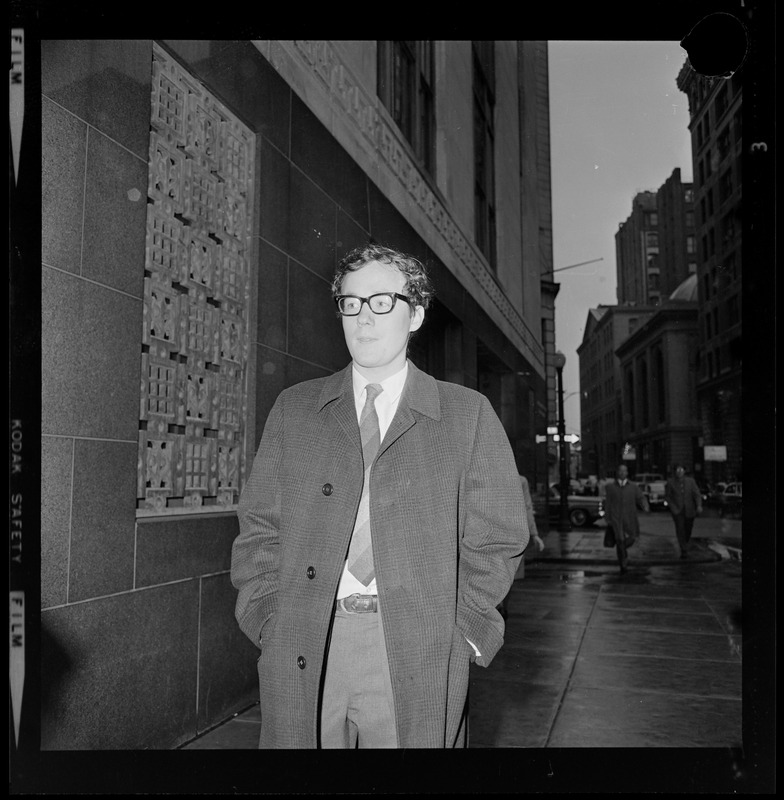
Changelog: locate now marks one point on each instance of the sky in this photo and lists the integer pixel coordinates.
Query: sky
(618, 126)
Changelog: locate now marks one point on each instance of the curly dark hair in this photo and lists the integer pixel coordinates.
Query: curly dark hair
(418, 286)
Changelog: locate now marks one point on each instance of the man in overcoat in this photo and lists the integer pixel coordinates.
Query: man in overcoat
(622, 500)
(685, 503)
(382, 523)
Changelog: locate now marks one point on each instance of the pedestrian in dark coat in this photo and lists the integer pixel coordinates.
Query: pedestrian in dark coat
(351, 660)
(622, 500)
(685, 503)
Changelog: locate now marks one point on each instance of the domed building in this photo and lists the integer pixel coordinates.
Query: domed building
(658, 365)
(686, 292)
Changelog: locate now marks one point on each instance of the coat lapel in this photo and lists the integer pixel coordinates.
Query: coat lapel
(420, 395)
(337, 398)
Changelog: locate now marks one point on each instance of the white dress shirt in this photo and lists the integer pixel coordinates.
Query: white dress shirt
(386, 406)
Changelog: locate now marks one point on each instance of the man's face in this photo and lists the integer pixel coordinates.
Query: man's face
(623, 471)
(378, 342)
(679, 471)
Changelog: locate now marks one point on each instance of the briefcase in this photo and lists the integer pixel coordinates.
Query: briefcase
(609, 536)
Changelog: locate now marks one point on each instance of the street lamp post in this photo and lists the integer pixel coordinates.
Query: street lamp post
(564, 525)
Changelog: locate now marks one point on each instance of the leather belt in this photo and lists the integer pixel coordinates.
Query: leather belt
(358, 603)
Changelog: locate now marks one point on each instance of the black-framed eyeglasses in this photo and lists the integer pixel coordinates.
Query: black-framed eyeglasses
(382, 303)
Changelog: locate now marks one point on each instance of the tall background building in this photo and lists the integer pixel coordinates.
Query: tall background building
(197, 196)
(677, 365)
(626, 407)
(716, 125)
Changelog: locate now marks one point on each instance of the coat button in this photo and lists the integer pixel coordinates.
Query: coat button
(301, 662)
(327, 489)
(310, 572)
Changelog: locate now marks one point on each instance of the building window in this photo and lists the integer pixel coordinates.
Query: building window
(724, 142)
(406, 87)
(725, 186)
(721, 102)
(484, 148)
(195, 334)
(728, 230)
(733, 310)
(689, 219)
(692, 267)
(691, 244)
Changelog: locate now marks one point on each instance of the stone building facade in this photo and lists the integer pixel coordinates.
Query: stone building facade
(196, 197)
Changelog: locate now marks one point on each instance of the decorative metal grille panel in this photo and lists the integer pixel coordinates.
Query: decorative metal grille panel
(195, 337)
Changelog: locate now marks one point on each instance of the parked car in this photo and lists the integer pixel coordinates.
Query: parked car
(654, 494)
(649, 477)
(584, 509)
(728, 498)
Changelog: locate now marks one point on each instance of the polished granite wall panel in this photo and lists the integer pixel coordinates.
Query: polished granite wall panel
(228, 680)
(244, 80)
(388, 226)
(270, 382)
(273, 297)
(102, 518)
(104, 82)
(115, 218)
(313, 225)
(57, 456)
(315, 333)
(349, 235)
(120, 672)
(321, 157)
(276, 371)
(273, 211)
(90, 359)
(172, 548)
(63, 155)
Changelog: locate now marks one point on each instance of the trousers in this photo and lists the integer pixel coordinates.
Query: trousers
(683, 529)
(357, 708)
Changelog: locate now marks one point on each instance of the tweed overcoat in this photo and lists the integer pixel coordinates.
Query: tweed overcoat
(620, 505)
(448, 527)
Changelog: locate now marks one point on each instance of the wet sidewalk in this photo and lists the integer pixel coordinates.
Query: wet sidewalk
(593, 658)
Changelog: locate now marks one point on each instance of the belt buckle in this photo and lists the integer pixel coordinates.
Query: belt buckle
(360, 603)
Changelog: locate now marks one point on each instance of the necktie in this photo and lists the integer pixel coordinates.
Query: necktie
(360, 552)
